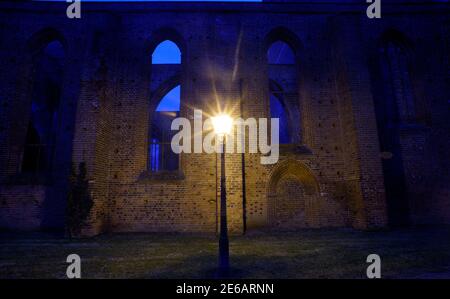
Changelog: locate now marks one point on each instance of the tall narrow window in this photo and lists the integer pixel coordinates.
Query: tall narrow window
(166, 62)
(397, 74)
(394, 106)
(161, 156)
(283, 91)
(43, 121)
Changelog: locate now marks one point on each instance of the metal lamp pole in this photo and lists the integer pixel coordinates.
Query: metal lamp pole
(224, 255)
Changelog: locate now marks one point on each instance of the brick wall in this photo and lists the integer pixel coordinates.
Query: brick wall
(111, 87)
(21, 207)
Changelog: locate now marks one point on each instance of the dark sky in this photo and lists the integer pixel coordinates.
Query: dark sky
(156, 0)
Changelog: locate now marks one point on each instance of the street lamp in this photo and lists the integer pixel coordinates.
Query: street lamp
(222, 126)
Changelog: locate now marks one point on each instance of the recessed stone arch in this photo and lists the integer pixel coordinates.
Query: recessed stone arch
(291, 192)
(298, 169)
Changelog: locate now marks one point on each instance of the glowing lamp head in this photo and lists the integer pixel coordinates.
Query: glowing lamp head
(222, 124)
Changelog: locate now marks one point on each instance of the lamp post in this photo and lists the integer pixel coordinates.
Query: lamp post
(222, 126)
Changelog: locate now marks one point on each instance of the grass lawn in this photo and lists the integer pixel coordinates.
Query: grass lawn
(420, 253)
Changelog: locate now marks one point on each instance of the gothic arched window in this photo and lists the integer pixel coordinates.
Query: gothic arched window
(166, 98)
(44, 118)
(396, 74)
(283, 90)
(394, 106)
(161, 156)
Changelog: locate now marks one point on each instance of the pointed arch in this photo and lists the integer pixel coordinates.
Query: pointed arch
(291, 191)
(42, 38)
(47, 49)
(287, 36)
(395, 105)
(297, 169)
(167, 52)
(396, 65)
(397, 38)
(160, 156)
(284, 80)
(163, 34)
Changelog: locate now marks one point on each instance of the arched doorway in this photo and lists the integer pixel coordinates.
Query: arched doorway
(292, 191)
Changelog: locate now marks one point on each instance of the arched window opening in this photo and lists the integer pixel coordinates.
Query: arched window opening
(397, 77)
(394, 106)
(280, 53)
(277, 110)
(167, 52)
(161, 156)
(283, 89)
(44, 118)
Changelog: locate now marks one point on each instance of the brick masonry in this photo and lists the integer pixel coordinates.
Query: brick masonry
(331, 176)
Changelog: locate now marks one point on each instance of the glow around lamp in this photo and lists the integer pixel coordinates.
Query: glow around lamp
(222, 124)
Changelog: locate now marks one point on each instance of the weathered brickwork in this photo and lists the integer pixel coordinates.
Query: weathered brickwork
(330, 175)
(26, 199)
